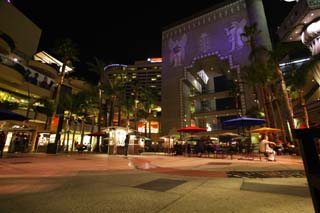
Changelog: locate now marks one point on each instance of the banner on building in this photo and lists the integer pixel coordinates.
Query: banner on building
(54, 124)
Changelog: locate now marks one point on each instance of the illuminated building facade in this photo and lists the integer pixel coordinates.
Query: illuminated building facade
(198, 56)
(26, 78)
(302, 24)
(144, 75)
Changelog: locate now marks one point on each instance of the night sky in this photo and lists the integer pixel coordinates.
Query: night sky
(121, 31)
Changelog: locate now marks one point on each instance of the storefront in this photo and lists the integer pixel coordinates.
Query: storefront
(115, 141)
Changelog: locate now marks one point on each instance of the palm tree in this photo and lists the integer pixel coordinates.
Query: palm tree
(273, 58)
(257, 73)
(297, 79)
(148, 99)
(75, 109)
(113, 88)
(258, 77)
(67, 51)
(98, 68)
(280, 51)
(46, 107)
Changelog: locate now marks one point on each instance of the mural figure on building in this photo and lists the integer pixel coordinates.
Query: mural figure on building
(204, 43)
(234, 34)
(177, 50)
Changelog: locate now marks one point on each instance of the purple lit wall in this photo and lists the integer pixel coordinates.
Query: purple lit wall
(217, 33)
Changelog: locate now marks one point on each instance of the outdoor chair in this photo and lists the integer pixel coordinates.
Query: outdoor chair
(264, 154)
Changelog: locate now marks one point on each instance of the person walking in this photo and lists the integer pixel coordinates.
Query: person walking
(2, 142)
(126, 144)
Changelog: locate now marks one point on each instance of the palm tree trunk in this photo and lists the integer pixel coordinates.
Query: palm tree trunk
(64, 140)
(82, 132)
(264, 105)
(111, 114)
(46, 124)
(286, 98)
(271, 108)
(68, 137)
(149, 127)
(106, 115)
(119, 115)
(57, 95)
(92, 128)
(97, 147)
(146, 128)
(74, 135)
(280, 117)
(304, 108)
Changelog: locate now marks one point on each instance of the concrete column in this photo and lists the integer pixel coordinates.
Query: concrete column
(257, 15)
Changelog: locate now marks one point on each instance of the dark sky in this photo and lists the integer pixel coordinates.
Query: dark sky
(121, 31)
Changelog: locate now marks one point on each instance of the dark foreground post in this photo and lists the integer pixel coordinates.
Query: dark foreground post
(307, 142)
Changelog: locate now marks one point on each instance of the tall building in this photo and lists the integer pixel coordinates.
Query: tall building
(145, 75)
(199, 55)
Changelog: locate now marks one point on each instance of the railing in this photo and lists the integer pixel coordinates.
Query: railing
(26, 72)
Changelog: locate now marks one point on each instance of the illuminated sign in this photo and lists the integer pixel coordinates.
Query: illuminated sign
(155, 60)
(154, 127)
(54, 124)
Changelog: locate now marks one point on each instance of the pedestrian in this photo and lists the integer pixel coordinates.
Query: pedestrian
(2, 142)
(126, 144)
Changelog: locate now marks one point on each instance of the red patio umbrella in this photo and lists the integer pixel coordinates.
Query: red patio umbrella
(97, 134)
(192, 129)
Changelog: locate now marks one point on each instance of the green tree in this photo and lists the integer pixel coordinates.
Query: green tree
(46, 106)
(67, 51)
(113, 89)
(98, 67)
(148, 99)
(280, 51)
(256, 73)
(297, 80)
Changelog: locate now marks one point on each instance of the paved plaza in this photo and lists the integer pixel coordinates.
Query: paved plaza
(151, 183)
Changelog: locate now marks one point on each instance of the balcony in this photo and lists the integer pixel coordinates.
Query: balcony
(4, 47)
(38, 91)
(11, 75)
(43, 68)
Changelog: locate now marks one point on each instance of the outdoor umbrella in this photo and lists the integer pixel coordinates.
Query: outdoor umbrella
(243, 121)
(97, 134)
(9, 115)
(191, 129)
(266, 130)
(229, 134)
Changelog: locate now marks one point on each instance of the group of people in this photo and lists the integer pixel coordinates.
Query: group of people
(271, 148)
(20, 143)
(34, 78)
